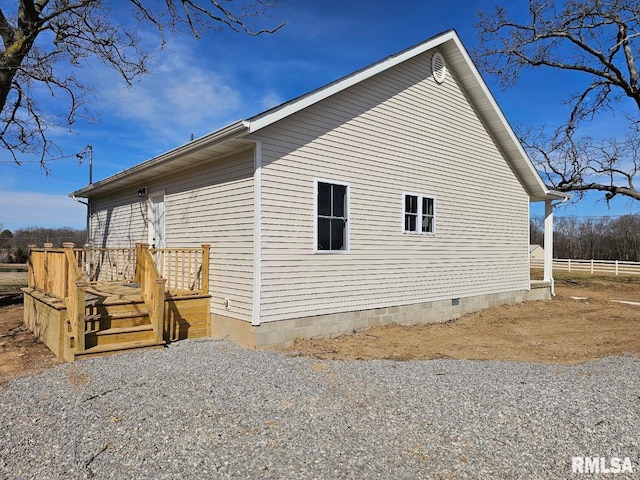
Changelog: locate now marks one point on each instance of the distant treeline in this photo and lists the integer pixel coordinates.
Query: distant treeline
(600, 238)
(14, 246)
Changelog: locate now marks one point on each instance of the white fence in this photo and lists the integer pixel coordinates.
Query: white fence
(612, 267)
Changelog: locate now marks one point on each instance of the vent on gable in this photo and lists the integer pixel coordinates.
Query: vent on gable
(438, 67)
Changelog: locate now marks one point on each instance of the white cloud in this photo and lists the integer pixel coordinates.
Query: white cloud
(33, 209)
(180, 97)
(271, 100)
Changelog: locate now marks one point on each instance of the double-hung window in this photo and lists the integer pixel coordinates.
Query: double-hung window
(419, 213)
(332, 212)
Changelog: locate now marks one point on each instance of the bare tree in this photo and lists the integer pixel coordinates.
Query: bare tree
(597, 41)
(601, 238)
(45, 40)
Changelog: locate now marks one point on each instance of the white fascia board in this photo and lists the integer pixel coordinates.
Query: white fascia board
(263, 120)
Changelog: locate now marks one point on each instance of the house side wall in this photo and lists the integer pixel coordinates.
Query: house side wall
(212, 203)
(394, 133)
(118, 220)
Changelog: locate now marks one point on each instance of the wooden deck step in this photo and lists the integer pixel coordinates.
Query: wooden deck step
(114, 336)
(118, 300)
(106, 302)
(118, 319)
(102, 350)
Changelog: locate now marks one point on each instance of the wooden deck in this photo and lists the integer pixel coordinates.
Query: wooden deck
(76, 318)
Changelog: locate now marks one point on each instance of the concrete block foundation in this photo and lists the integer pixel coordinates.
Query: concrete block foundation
(282, 334)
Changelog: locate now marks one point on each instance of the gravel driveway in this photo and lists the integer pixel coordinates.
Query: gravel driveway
(209, 409)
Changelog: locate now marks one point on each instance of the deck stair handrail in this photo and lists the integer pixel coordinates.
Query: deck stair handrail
(152, 286)
(75, 296)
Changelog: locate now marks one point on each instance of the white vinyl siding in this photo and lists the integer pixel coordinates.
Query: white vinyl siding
(118, 220)
(211, 203)
(397, 132)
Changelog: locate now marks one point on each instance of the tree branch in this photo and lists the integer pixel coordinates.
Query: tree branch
(590, 39)
(82, 29)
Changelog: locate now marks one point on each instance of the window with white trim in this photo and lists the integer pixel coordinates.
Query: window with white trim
(419, 213)
(332, 216)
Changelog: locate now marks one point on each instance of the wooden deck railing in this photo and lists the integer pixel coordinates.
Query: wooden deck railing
(186, 270)
(108, 265)
(55, 272)
(48, 270)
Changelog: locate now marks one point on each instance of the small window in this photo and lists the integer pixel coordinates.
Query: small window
(332, 213)
(419, 213)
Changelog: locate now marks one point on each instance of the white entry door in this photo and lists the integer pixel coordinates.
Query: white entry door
(156, 220)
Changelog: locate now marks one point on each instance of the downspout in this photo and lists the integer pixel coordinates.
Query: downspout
(88, 221)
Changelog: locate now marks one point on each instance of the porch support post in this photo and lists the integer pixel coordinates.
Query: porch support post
(548, 244)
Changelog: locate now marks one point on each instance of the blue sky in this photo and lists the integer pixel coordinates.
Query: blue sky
(197, 86)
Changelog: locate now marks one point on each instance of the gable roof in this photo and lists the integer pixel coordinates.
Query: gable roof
(230, 137)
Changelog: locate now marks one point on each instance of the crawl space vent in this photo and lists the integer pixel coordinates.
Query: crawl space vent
(438, 67)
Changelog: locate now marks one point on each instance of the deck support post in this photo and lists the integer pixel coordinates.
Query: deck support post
(80, 322)
(139, 260)
(205, 268)
(158, 309)
(68, 246)
(31, 282)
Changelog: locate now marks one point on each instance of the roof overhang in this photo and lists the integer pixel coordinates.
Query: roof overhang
(554, 195)
(458, 59)
(220, 142)
(229, 138)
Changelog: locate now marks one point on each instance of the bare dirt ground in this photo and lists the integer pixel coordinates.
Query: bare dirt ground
(21, 353)
(565, 330)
